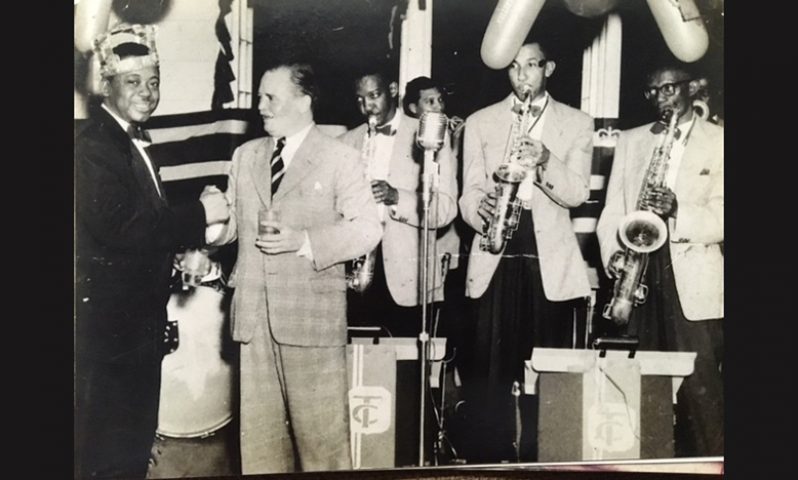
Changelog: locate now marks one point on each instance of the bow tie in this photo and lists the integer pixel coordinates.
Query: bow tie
(534, 110)
(138, 133)
(385, 130)
(660, 127)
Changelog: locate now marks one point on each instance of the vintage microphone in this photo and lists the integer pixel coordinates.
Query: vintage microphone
(430, 136)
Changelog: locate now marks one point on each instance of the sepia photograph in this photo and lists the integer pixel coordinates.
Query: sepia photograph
(355, 236)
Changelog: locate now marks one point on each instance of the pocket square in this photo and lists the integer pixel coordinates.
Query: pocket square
(704, 172)
(317, 186)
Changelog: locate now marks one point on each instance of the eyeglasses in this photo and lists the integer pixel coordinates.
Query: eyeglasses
(532, 62)
(667, 89)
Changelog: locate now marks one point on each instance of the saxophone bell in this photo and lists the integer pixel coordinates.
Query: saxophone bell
(362, 273)
(643, 231)
(640, 233)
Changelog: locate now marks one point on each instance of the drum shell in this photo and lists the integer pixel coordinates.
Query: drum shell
(197, 379)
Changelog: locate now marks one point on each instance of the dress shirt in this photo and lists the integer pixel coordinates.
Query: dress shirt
(677, 152)
(379, 165)
(140, 145)
(535, 132)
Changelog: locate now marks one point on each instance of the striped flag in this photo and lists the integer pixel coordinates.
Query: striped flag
(195, 149)
(585, 217)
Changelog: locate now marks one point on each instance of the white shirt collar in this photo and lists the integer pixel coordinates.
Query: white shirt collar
(125, 126)
(122, 123)
(396, 120)
(538, 102)
(292, 143)
(139, 144)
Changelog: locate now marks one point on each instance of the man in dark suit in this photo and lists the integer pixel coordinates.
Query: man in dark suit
(289, 306)
(393, 163)
(524, 292)
(684, 308)
(126, 237)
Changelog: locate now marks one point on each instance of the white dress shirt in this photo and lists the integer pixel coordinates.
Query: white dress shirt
(379, 164)
(140, 145)
(292, 143)
(535, 132)
(677, 152)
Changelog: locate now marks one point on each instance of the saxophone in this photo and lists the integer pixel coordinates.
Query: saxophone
(641, 232)
(509, 175)
(362, 271)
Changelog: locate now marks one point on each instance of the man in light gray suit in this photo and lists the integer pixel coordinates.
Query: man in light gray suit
(523, 292)
(684, 308)
(289, 306)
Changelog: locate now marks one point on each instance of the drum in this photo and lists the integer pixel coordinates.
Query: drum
(196, 379)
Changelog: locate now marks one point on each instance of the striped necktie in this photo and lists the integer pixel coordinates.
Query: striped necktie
(278, 167)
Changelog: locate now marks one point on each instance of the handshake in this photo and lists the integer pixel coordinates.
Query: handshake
(217, 210)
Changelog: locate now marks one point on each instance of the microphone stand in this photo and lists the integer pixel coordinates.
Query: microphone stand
(430, 181)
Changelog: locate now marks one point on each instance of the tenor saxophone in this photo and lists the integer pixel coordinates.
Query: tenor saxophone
(362, 268)
(509, 175)
(641, 232)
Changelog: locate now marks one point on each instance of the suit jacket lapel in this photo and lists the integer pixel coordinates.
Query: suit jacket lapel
(695, 154)
(262, 171)
(360, 137)
(143, 176)
(503, 123)
(122, 141)
(403, 144)
(553, 127)
(157, 169)
(641, 159)
(300, 164)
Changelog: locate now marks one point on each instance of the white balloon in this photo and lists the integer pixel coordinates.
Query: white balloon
(91, 19)
(507, 29)
(688, 40)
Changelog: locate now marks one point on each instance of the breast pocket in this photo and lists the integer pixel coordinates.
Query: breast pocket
(317, 198)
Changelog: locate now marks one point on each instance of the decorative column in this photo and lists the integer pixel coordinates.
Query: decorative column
(240, 24)
(415, 57)
(601, 87)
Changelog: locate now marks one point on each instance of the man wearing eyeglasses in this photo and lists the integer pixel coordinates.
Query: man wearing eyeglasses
(684, 307)
(523, 295)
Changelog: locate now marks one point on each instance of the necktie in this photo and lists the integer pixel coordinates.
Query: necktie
(138, 133)
(385, 130)
(660, 127)
(278, 167)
